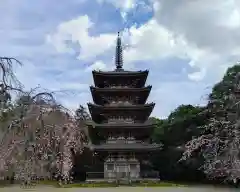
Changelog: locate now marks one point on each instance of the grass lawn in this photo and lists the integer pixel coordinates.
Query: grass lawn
(117, 189)
(51, 186)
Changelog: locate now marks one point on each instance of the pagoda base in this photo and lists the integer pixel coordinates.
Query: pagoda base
(121, 169)
(155, 180)
(96, 177)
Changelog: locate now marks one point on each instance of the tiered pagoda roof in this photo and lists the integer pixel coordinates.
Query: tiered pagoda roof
(120, 107)
(142, 130)
(101, 113)
(111, 78)
(99, 94)
(147, 124)
(126, 147)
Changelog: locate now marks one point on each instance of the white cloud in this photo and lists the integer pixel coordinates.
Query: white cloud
(152, 41)
(129, 8)
(97, 65)
(204, 33)
(148, 42)
(77, 30)
(211, 26)
(123, 4)
(197, 76)
(145, 42)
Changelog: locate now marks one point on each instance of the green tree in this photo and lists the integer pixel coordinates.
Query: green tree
(218, 142)
(173, 132)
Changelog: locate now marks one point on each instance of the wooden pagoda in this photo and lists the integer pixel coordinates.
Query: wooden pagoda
(120, 128)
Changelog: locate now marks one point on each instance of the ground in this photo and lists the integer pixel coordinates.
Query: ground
(118, 189)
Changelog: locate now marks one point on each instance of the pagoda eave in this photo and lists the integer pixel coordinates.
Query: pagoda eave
(100, 113)
(100, 76)
(120, 107)
(100, 131)
(122, 89)
(125, 147)
(119, 73)
(98, 94)
(146, 125)
(106, 126)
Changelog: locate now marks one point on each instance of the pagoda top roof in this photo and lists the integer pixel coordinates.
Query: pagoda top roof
(119, 62)
(119, 77)
(119, 73)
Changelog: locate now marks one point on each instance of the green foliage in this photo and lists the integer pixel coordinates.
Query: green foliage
(158, 129)
(179, 127)
(221, 91)
(184, 112)
(187, 123)
(218, 145)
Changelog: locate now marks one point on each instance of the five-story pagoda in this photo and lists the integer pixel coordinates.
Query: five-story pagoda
(120, 129)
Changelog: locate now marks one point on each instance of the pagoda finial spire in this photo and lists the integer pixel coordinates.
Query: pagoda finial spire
(119, 56)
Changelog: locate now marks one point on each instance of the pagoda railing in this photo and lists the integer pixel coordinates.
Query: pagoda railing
(119, 86)
(127, 141)
(114, 86)
(125, 121)
(116, 121)
(143, 175)
(120, 103)
(116, 158)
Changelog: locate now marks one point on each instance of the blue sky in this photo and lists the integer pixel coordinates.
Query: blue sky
(187, 45)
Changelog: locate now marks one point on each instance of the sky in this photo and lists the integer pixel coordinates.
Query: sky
(186, 45)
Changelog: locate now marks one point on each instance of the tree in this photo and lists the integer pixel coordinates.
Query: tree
(173, 132)
(219, 142)
(81, 114)
(38, 135)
